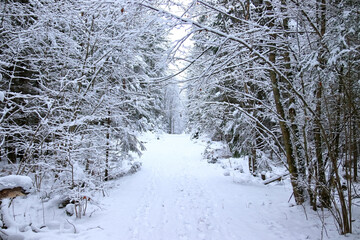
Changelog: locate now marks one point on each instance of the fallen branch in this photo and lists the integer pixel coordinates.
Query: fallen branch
(276, 178)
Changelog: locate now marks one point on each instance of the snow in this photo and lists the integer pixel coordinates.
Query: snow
(178, 195)
(13, 181)
(2, 95)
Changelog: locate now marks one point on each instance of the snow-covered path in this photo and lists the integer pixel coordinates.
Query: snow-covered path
(177, 195)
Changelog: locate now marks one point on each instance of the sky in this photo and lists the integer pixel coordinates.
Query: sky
(176, 34)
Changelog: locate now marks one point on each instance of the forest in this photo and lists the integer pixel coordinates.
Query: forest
(276, 81)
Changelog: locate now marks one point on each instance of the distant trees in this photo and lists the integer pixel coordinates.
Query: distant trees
(173, 109)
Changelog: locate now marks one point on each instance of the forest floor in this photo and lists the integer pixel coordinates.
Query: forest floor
(177, 195)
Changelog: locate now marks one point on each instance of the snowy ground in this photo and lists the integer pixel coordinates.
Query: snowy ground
(178, 195)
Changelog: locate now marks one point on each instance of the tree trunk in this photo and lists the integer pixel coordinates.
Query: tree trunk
(286, 137)
(292, 112)
(290, 158)
(324, 192)
(252, 160)
(355, 153)
(108, 122)
(10, 150)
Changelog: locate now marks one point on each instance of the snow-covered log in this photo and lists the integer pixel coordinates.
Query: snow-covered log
(276, 178)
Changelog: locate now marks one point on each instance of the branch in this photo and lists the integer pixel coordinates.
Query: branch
(246, 45)
(226, 14)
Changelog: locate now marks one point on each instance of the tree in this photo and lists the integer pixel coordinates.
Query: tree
(77, 89)
(286, 49)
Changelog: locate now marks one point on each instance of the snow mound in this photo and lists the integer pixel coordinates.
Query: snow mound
(215, 151)
(13, 181)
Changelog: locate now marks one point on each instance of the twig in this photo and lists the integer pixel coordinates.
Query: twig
(95, 228)
(43, 211)
(305, 212)
(1, 231)
(72, 225)
(290, 196)
(323, 228)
